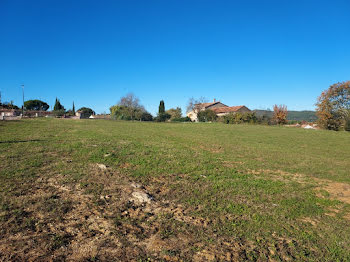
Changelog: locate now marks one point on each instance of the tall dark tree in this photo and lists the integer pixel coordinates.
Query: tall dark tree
(58, 109)
(162, 115)
(161, 108)
(58, 105)
(73, 109)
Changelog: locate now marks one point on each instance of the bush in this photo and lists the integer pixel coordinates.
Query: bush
(175, 113)
(333, 124)
(181, 119)
(127, 113)
(240, 118)
(207, 116)
(146, 117)
(59, 113)
(162, 117)
(128, 108)
(70, 113)
(347, 125)
(293, 122)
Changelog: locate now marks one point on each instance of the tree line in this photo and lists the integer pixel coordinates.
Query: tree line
(332, 110)
(129, 108)
(58, 109)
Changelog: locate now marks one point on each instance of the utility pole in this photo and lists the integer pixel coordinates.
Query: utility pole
(23, 100)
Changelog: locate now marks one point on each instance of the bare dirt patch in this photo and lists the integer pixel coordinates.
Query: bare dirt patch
(310, 220)
(337, 190)
(281, 175)
(107, 217)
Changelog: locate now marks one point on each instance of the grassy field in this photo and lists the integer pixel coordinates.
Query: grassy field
(99, 190)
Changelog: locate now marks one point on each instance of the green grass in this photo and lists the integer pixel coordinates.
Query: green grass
(256, 187)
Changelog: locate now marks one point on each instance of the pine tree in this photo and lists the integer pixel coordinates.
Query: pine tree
(161, 108)
(73, 110)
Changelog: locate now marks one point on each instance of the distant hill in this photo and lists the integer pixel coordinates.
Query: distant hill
(309, 116)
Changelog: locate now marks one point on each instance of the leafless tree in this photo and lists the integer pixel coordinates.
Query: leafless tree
(130, 100)
(132, 105)
(193, 103)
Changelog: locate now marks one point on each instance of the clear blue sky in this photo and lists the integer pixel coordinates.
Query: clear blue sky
(255, 53)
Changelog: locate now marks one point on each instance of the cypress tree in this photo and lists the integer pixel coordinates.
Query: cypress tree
(73, 109)
(55, 107)
(161, 108)
(58, 105)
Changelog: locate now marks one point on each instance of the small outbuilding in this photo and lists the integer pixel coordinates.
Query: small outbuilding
(10, 114)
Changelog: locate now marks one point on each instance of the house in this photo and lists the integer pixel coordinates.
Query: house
(222, 111)
(80, 114)
(10, 114)
(219, 108)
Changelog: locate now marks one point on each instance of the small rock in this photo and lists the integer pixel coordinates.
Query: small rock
(102, 166)
(107, 155)
(107, 197)
(142, 197)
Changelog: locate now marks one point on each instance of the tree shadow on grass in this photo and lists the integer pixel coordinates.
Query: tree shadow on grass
(21, 141)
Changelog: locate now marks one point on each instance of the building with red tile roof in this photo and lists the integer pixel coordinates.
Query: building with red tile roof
(219, 108)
